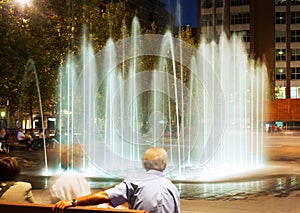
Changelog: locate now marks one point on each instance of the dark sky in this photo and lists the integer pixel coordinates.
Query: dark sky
(188, 10)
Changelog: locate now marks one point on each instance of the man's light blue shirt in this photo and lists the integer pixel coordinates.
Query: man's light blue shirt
(152, 192)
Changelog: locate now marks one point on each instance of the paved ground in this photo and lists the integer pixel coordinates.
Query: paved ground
(275, 188)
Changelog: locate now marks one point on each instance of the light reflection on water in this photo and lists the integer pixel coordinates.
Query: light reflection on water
(201, 190)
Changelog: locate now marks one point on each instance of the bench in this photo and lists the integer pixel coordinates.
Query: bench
(47, 208)
(13, 144)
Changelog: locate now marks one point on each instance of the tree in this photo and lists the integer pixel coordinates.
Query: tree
(45, 32)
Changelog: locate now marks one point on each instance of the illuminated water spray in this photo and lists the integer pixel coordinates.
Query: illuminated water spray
(211, 124)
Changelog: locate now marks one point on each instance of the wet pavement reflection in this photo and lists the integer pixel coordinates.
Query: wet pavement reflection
(277, 186)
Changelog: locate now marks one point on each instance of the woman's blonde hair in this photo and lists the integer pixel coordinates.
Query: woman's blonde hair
(155, 158)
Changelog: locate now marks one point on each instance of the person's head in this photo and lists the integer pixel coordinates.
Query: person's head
(9, 169)
(21, 129)
(155, 158)
(76, 161)
(3, 130)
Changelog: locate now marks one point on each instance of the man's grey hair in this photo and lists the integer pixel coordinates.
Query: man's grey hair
(155, 158)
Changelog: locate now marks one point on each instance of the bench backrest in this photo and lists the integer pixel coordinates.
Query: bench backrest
(10, 207)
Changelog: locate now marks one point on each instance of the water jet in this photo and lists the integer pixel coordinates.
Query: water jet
(210, 125)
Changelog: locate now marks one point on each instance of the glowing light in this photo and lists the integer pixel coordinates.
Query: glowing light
(280, 52)
(3, 114)
(24, 2)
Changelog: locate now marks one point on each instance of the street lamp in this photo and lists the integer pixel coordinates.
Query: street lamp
(2, 114)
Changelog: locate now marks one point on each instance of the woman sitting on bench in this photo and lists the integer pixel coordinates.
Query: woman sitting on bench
(10, 189)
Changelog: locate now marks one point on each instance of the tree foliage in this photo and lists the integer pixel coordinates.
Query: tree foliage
(44, 32)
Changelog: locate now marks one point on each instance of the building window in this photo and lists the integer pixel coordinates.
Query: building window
(240, 18)
(295, 92)
(219, 18)
(207, 4)
(295, 36)
(245, 34)
(239, 2)
(207, 20)
(295, 17)
(280, 73)
(248, 51)
(295, 2)
(280, 2)
(219, 3)
(280, 36)
(208, 36)
(280, 55)
(280, 92)
(280, 18)
(295, 73)
(295, 54)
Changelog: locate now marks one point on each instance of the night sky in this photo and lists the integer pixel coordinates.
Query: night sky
(188, 11)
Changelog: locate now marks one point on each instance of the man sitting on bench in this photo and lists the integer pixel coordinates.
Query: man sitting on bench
(22, 139)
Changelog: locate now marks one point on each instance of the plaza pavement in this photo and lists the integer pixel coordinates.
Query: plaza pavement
(282, 154)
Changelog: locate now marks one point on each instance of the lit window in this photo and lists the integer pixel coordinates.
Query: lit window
(280, 55)
(280, 18)
(295, 92)
(280, 92)
(280, 73)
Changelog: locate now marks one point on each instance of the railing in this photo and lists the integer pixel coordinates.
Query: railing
(47, 208)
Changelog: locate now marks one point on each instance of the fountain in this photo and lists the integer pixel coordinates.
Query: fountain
(211, 125)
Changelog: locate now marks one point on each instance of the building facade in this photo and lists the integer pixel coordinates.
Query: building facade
(287, 32)
(149, 11)
(153, 11)
(248, 18)
(271, 31)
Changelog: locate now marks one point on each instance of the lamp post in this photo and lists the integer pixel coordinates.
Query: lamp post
(2, 116)
(7, 114)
